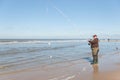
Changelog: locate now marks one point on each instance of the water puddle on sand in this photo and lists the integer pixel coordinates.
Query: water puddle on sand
(64, 78)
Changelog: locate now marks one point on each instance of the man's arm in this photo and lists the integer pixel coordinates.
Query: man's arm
(94, 41)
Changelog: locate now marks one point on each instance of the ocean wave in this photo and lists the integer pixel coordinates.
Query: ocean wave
(13, 51)
(37, 41)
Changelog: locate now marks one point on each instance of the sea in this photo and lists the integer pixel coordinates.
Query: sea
(18, 54)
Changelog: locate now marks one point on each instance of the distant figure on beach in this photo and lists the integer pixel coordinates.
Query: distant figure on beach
(95, 48)
(116, 48)
(108, 40)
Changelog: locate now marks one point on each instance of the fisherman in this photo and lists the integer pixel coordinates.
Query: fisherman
(95, 48)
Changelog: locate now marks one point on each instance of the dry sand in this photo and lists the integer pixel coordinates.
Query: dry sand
(107, 69)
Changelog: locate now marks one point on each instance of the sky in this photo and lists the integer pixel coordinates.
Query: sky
(59, 18)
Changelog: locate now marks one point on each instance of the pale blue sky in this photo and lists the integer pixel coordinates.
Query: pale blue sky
(59, 18)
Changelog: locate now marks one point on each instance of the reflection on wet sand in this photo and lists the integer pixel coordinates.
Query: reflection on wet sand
(95, 71)
(95, 68)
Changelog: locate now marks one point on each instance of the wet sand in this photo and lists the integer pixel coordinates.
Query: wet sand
(107, 69)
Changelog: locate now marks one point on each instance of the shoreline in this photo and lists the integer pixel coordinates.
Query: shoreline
(108, 68)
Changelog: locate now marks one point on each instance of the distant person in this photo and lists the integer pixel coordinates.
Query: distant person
(108, 40)
(95, 48)
(116, 48)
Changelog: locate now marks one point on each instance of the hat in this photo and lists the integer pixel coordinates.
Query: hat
(95, 35)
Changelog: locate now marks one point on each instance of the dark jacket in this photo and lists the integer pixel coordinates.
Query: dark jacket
(94, 43)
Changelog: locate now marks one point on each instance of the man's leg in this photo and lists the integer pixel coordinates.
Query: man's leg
(95, 58)
(95, 55)
(97, 50)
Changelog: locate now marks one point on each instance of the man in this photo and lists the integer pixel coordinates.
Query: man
(95, 48)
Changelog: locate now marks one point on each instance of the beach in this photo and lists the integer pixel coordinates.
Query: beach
(73, 70)
(60, 40)
(59, 60)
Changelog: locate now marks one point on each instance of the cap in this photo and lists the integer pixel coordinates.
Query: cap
(95, 35)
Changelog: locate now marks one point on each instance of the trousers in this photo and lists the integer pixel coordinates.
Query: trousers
(95, 54)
